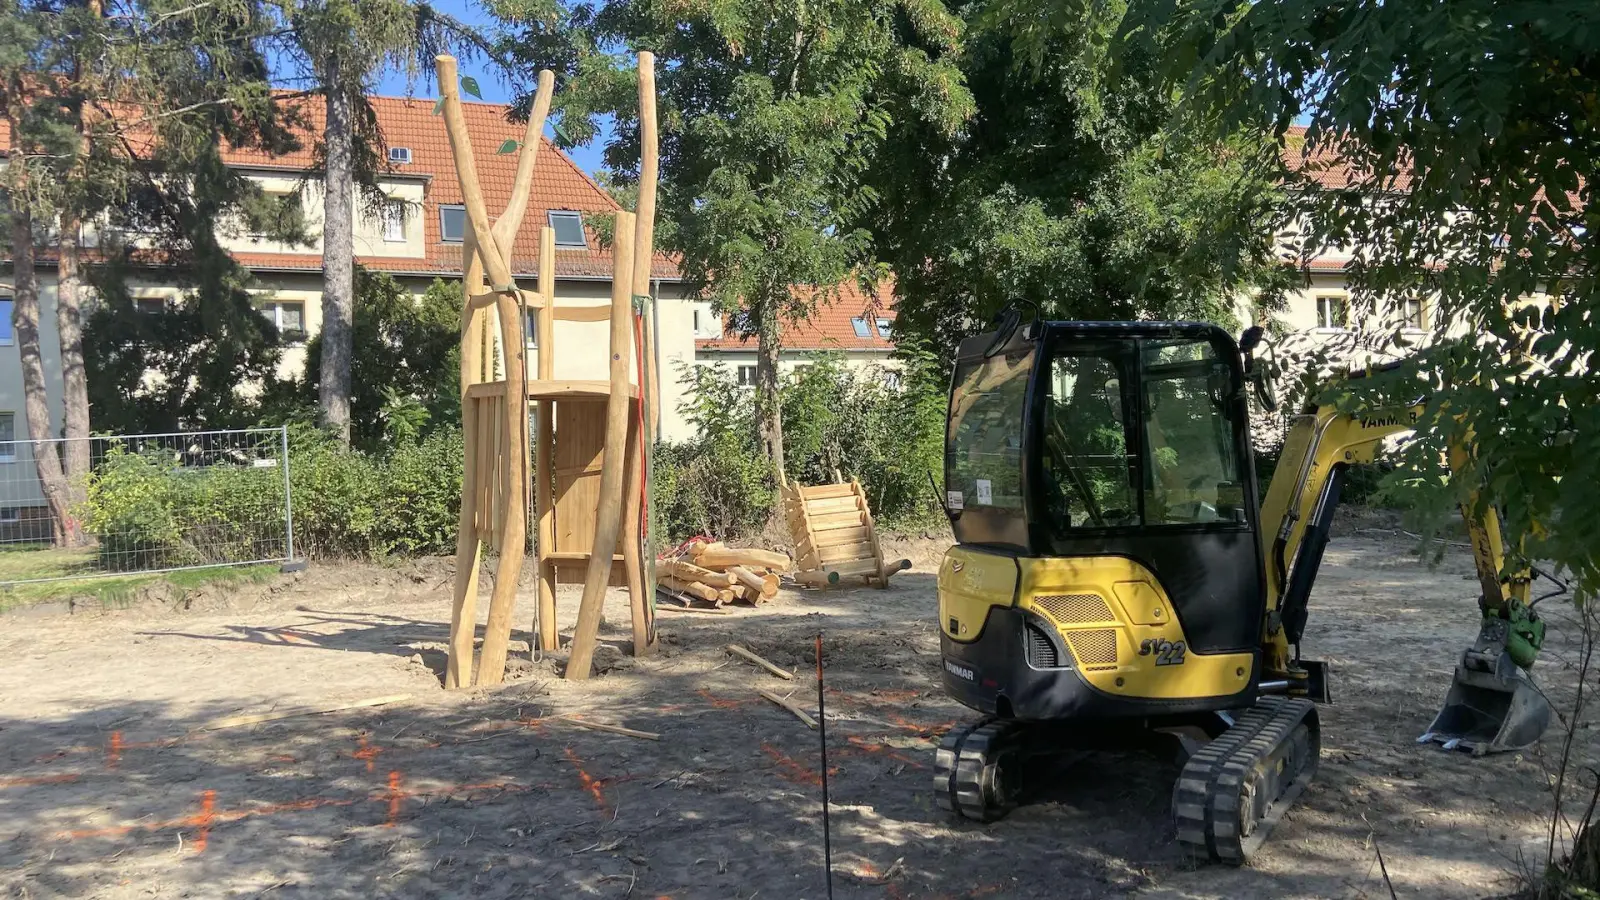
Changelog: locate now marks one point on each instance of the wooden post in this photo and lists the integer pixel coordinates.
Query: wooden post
(496, 261)
(641, 603)
(642, 600)
(513, 488)
(608, 514)
(469, 550)
(505, 230)
(544, 487)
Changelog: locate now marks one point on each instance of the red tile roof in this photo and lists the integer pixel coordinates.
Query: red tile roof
(829, 326)
(406, 122)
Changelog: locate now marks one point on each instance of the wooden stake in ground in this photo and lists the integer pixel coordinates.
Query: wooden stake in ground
(737, 650)
(784, 702)
(614, 729)
(641, 591)
(608, 513)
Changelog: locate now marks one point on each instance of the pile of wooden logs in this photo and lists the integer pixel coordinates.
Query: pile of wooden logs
(719, 574)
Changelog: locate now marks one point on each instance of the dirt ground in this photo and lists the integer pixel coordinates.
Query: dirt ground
(111, 787)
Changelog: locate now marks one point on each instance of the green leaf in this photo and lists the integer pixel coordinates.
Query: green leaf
(561, 133)
(470, 85)
(438, 105)
(510, 146)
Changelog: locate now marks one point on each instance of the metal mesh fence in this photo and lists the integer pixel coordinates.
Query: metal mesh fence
(150, 503)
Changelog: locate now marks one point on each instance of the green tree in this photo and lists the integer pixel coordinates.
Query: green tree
(342, 46)
(1069, 188)
(106, 105)
(406, 361)
(769, 116)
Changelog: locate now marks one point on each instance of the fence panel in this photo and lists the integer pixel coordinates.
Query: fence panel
(151, 503)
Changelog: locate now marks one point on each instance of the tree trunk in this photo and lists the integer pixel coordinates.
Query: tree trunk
(64, 528)
(338, 259)
(769, 408)
(74, 384)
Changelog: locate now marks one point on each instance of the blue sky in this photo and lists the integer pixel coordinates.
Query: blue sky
(490, 84)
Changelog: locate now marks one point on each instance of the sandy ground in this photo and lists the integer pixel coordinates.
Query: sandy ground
(110, 787)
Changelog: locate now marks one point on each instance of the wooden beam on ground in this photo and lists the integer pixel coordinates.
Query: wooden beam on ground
(784, 702)
(737, 650)
(613, 729)
(762, 585)
(688, 571)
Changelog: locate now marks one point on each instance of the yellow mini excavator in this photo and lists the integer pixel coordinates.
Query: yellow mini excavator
(1115, 576)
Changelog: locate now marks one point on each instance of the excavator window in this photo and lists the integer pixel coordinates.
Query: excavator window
(1088, 474)
(1191, 471)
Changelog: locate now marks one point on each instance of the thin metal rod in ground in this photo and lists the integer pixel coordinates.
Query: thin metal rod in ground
(822, 728)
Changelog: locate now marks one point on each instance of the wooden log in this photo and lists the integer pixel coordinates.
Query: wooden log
(613, 729)
(737, 650)
(740, 592)
(817, 578)
(496, 259)
(877, 548)
(826, 491)
(608, 512)
(258, 718)
(697, 547)
(764, 586)
(726, 595)
(469, 550)
(544, 484)
(720, 558)
(894, 567)
(469, 553)
(514, 484)
(688, 571)
(640, 604)
(712, 610)
(835, 521)
(505, 230)
(784, 702)
(645, 228)
(832, 505)
(846, 552)
(692, 588)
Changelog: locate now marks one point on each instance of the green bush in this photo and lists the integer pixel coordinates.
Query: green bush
(835, 417)
(149, 511)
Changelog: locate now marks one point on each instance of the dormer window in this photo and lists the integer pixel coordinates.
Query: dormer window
(400, 156)
(569, 230)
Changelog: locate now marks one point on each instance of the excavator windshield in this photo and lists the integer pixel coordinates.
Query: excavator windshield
(1085, 428)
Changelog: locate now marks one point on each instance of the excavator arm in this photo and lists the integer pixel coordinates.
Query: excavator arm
(1492, 704)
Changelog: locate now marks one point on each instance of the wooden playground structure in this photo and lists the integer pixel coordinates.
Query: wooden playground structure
(834, 534)
(587, 471)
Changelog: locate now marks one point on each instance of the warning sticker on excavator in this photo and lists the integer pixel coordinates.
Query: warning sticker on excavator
(985, 492)
(954, 499)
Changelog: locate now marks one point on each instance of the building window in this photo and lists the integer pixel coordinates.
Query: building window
(891, 379)
(706, 324)
(7, 338)
(10, 514)
(8, 437)
(884, 328)
(394, 221)
(1333, 311)
(149, 306)
(859, 325)
(747, 376)
(452, 224)
(289, 317)
(569, 229)
(1412, 310)
(530, 328)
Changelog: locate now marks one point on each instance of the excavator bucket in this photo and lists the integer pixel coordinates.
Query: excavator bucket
(1493, 704)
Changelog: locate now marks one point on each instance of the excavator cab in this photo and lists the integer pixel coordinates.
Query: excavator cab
(1115, 572)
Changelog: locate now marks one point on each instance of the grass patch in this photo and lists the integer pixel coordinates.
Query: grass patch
(112, 590)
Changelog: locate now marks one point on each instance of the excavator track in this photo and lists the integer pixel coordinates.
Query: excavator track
(1236, 788)
(975, 771)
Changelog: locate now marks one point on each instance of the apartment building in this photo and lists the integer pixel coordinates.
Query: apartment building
(855, 324)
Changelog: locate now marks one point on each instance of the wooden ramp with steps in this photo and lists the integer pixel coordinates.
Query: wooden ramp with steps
(834, 536)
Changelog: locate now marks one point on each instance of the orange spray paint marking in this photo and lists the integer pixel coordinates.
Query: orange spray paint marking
(366, 751)
(884, 750)
(721, 703)
(394, 799)
(589, 782)
(38, 779)
(208, 801)
(114, 750)
(791, 770)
